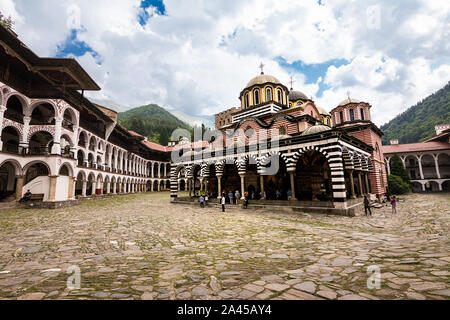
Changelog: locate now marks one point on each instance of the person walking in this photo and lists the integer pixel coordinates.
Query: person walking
(245, 200)
(222, 201)
(237, 194)
(202, 202)
(230, 195)
(367, 206)
(394, 204)
(206, 200)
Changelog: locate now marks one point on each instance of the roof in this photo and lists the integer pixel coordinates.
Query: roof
(297, 95)
(348, 101)
(442, 136)
(155, 146)
(322, 110)
(315, 129)
(415, 147)
(261, 79)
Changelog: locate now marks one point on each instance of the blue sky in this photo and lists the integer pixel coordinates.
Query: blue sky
(196, 56)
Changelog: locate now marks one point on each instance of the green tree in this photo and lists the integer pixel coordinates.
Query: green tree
(397, 186)
(6, 22)
(397, 169)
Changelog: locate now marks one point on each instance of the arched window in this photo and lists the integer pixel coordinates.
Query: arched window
(256, 97)
(269, 94)
(246, 100)
(280, 96)
(352, 115)
(362, 113)
(341, 115)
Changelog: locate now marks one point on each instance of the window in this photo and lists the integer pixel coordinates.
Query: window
(352, 115)
(341, 115)
(362, 113)
(280, 96)
(249, 132)
(256, 97)
(282, 131)
(269, 94)
(246, 100)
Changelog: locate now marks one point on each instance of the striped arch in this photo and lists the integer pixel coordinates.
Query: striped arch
(49, 129)
(347, 157)
(15, 125)
(365, 163)
(35, 103)
(219, 167)
(301, 151)
(357, 161)
(204, 172)
(241, 165)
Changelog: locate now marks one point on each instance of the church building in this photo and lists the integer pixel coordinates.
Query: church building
(325, 161)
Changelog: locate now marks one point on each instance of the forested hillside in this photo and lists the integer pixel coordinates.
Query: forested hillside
(151, 121)
(417, 123)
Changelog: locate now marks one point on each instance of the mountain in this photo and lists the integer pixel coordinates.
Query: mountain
(417, 123)
(195, 120)
(152, 121)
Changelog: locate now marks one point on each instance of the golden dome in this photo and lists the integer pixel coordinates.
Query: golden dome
(261, 79)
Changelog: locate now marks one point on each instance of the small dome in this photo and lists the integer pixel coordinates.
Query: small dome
(261, 79)
(348, 101)
(297, 95)
(322, 110)
(315, 129)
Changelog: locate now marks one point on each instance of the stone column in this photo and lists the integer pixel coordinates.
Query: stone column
(94, 187)
(261, 179)
(366, 178)
(219, 185)
(420, 168)
(56, 148)
(352, 183)
(70, 195)
(108, 187)
(436, 163)
(83, 188)
(114, 187)
(19, 187)
(52, 190)
(388, 165)
(23, 144)
(165, 170)
(2, 112)
(179, 185)
(292, 178)
(242, 185)
(360, 183)
(201, 185)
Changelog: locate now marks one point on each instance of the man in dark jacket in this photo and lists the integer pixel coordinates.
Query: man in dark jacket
(367, 206)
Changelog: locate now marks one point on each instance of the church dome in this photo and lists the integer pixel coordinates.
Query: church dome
(315, 129)
(322, 110)
(348, 101)
(261, 79)
(297, 95)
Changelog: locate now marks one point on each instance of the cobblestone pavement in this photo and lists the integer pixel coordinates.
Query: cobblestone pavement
(142, 247)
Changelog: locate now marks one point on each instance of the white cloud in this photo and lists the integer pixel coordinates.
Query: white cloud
(200, 55)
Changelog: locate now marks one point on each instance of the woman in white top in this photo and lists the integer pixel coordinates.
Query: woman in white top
(223, 203)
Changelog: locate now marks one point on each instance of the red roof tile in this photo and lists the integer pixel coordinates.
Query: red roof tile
(415, 147)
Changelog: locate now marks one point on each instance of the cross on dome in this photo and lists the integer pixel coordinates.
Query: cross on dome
(261, 66)
(292, 81)
(348, 95)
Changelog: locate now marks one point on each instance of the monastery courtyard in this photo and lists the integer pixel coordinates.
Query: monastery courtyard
(142, 247)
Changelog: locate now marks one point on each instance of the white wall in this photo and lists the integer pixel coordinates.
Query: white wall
(40, 185)
(62, 188)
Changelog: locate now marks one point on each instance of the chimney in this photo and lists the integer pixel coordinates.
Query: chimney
(440, 128)
(394, 141)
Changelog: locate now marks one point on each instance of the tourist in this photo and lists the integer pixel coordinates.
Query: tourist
(289, 195)
(202, 201)
(206, 199)
(278, 195)
(26, 197)
(230, 195)
(394, 204)
(222, 201)
(367, 206)
(253, 195)
(237, 194)
(245, 200)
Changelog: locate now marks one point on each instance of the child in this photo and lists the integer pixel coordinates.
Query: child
(222, 201)
(394, 204)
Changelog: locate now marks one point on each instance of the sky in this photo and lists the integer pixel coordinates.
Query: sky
(196, 56)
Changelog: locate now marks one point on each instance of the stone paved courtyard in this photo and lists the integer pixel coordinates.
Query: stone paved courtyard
(142, 247)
